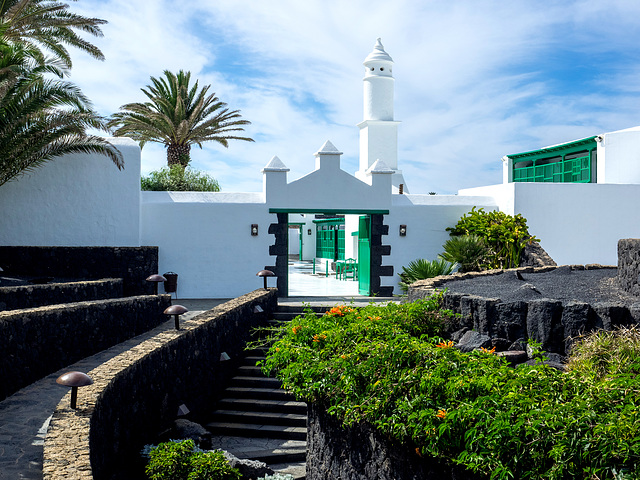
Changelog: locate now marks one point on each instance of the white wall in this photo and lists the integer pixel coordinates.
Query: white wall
(309, 241)
(577, 223)
(206, 239)
(75, 200)
(294, 241)
(619, 157)
(427, 217)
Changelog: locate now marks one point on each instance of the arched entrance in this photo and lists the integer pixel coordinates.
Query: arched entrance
(370, 250)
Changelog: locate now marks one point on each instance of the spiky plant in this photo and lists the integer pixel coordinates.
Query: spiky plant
(47, 27)
(41, 119)
(469, 251)
(178, 115)
(602, 354)
(421, 269)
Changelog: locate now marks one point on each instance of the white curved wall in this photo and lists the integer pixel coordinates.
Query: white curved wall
(75, 200)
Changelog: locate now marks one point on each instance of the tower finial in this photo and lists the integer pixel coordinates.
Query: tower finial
(378, 54)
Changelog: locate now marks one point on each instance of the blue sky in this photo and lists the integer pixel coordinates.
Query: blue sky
(475, 79)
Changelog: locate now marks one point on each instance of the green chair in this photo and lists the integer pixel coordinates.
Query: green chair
(350, 269)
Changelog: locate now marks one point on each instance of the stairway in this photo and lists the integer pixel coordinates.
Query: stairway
(258, 420)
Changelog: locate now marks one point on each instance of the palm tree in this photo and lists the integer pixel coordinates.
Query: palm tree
(41, 119)
(48, 25)
(178, 116)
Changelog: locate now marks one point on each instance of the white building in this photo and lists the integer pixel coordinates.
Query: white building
(217, 242)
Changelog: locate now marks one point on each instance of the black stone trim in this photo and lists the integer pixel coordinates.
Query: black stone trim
(378, 250)
(280, 250)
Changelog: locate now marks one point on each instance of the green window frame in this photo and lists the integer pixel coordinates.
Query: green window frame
(330, 238)
(573, 162)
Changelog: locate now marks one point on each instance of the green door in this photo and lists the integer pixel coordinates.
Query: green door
(364, 256)
(301, 230)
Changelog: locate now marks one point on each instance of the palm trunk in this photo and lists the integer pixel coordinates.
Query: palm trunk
(178, 154)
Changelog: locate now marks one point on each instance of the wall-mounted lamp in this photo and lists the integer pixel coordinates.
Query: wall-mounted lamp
(254, 229)
(308, 231)
(403, 230)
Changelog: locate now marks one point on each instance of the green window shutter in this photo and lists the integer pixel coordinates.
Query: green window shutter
(570, 162)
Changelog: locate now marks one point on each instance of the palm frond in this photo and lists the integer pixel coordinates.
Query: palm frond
(178, 114)
(42, 119)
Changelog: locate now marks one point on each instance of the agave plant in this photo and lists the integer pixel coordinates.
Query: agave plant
(421, 269)
(469, 251)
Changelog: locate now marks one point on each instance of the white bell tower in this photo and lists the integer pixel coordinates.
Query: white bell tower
(378, 130)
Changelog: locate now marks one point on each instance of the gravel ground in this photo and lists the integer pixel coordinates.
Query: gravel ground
(562, 284)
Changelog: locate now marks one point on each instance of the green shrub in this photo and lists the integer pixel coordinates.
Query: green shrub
(469, 251)
(506, 235)
(181, 460)
(179, 179)
(421, 269)
(607, 353)
(469, 409)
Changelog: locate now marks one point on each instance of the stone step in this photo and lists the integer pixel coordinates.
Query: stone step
(282, 317)
(257, 352)
(258, 393)
(255, 382)
(263, 405)
(279, 457)
(298, 470)
(251, 371)
(259, 417)
(256, 430)
(298, 310)
(251, 360)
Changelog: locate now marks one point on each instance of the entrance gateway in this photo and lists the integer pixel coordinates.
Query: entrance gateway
(368, 231)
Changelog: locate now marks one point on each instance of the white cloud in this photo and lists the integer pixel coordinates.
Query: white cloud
(475, 80)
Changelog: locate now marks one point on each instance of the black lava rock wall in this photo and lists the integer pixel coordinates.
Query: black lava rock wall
(38, 341)
(362, 453)
(132, 264)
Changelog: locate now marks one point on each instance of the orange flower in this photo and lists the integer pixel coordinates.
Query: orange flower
(339, 311)
(296, 329)
(441, 413)
(448, 344)
(317, 338)
(486, 350)
(343, 357)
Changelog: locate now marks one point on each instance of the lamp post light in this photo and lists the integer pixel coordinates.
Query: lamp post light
(74, 380)
(176, 311)
(156, 279)
(264, 274)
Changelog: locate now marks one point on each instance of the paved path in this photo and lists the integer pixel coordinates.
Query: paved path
(25, 415)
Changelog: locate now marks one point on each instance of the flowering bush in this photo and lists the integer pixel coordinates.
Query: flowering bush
(388, 366)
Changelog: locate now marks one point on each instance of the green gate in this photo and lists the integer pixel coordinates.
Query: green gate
(364, 256)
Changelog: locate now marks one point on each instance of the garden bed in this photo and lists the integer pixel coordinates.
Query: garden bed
(388, 369)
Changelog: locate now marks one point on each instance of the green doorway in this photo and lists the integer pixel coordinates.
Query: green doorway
(367, 231)
(364, 255)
